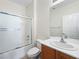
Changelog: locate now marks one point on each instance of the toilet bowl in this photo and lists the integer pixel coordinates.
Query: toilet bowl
(33, 53)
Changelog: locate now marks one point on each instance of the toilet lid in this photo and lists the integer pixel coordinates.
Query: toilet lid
(33, 51)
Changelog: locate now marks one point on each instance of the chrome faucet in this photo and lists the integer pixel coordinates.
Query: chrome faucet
(62, 37)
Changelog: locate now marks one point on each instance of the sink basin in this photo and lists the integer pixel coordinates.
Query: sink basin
(64, 46)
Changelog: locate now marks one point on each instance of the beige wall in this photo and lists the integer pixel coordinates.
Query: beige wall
(30, 10)
(57, 14)
(13, 8)
(41, 19)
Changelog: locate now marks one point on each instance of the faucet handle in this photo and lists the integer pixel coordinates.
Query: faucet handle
(64, 35)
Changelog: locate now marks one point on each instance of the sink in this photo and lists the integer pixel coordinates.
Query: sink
(62, 45)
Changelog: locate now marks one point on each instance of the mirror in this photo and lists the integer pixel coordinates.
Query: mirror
(71, 25)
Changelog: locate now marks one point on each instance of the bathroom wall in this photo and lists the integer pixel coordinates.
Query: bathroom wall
(29, 10)
(13, 8)
(41, 19)
(57, 14)
(39, 12)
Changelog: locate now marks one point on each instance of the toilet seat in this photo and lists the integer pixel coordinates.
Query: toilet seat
(33, 52)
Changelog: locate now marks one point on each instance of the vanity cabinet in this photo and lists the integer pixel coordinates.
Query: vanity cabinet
(49, 53)
(60, 55)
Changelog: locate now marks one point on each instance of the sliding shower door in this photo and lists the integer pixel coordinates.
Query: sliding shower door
(14, 32)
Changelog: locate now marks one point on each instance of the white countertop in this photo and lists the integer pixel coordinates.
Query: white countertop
(73, 42)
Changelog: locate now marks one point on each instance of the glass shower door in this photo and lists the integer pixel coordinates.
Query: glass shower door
(14, 32)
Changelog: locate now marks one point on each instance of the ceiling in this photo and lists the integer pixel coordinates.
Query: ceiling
(22, 2)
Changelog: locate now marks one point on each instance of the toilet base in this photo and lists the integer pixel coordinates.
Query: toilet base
(37, 57)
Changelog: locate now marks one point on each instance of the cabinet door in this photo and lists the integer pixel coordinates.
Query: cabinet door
(48, 53)
(60, 55)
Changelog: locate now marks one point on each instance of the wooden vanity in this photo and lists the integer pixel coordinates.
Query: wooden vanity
(49, 53)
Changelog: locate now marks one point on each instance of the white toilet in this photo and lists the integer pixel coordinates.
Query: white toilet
(33, 53)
